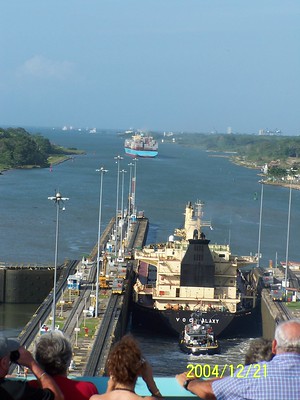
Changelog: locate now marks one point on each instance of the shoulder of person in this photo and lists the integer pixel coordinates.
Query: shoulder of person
(88, 385)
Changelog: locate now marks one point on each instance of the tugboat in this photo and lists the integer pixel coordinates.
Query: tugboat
(198, 338)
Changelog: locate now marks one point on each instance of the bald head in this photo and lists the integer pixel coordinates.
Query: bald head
(287, 337)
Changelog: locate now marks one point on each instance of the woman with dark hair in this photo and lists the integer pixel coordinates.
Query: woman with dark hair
(53, 351)
(124, 365)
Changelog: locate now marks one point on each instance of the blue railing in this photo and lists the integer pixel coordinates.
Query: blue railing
(169, 387)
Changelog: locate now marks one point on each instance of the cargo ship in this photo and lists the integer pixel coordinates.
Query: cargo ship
(187, 274)
(141, 145)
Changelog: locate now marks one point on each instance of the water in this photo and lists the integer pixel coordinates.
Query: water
(167, 360)
(164, 186)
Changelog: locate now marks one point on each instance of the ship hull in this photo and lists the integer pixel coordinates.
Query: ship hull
(198, 350)
(244, 323)
(141, 153)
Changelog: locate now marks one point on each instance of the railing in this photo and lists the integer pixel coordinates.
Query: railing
(168, 386)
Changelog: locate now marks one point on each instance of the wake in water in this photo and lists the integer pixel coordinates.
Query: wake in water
(168, 360)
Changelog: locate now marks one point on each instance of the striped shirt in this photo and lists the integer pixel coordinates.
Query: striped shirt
(278, 379)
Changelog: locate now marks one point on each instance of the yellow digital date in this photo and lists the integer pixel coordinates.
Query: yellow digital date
(217, 371)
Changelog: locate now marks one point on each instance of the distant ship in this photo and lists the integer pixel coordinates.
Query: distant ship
(141, 145)
(188, 274)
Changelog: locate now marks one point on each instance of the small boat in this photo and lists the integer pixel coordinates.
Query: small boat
(198, 338)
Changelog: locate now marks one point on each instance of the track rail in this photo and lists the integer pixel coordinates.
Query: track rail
(283, 310)
(97, 359)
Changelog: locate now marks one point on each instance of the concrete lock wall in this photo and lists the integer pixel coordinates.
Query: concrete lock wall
(2, 285)
(269, 316)
(25, 285)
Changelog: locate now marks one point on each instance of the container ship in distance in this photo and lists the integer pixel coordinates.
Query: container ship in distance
(141, 145)
(188, 274)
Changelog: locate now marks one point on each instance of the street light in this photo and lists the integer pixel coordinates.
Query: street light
(287, 243)
(57, 200)
(122, 192)
(118, 158)
(260, 219)
(122, 211)
(129, 198)
(134, 187)
(130, 188)
(102, 172)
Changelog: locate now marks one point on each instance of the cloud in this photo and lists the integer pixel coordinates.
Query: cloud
(41, 67)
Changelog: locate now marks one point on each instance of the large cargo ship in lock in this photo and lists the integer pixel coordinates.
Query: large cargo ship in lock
(188, 274)
(141, 145)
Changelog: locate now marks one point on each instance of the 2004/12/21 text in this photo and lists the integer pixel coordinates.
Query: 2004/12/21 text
(217, 371)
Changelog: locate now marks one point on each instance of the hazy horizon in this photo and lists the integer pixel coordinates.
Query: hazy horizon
(169, 65)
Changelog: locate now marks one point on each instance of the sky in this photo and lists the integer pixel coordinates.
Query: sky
(164, 65)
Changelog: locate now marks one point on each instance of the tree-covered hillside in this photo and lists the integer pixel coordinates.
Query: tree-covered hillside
(259, 149)
(18, 149)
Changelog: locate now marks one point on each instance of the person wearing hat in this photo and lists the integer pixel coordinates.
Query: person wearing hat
(10, 351)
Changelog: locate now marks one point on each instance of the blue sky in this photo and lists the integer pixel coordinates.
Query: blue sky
(169, 65)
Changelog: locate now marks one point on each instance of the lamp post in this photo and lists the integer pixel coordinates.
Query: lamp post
(122, 192)
(102, 172)
(118, 158)
(57, 200)
(122, 211)
(260, 219)
(129, 199)
(134, 187)
(287, 243)
(130, 165)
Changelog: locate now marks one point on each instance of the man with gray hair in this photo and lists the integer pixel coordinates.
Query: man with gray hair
(276, 379)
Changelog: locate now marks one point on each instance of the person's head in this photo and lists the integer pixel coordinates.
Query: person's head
(287, 337)
(53, 351)
(125, 361)
(259, 350)
(7, 347)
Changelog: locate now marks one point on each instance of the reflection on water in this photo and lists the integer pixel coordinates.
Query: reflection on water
(13, 317)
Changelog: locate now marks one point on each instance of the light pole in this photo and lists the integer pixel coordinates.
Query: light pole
(118, 158)
(260, 219)
(287, 243)
(134, 187)
(122, 192)
(129, 188)
(129, 199)
(102, 172)
(57, 200)
(122, 211)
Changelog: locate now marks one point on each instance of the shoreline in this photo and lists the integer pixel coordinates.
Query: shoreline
(235, 160)
(60, 160)
(241, 163)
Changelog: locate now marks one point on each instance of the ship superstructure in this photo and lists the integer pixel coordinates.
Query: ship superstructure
(188, 274)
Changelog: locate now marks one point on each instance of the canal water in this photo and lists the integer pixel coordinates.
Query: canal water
(179, 174)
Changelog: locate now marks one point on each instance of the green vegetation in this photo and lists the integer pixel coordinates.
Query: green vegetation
(20, 149)
(293, 306)
(251, 148)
